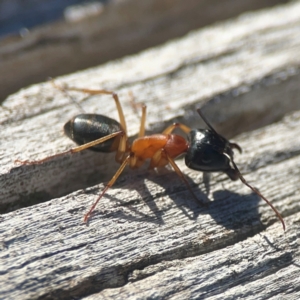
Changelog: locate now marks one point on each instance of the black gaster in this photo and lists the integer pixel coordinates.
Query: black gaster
(209, 152)
(85, 128)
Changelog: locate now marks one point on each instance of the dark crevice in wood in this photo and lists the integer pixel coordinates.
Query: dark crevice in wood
(265, 96)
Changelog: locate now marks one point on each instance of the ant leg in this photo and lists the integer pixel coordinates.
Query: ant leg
(180, 174)
(135, 106)
(122, 149)
(256, 191)
(158, 160)
(143, 121)
(170, 128)
(110, 184)
(63, 90)
(98, 92)
(206, 179)
(161, 158)
(72, 150)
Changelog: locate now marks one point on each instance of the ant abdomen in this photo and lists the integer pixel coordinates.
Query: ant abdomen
(85, 128)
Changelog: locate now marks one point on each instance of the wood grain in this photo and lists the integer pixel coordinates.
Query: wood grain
(148, 238)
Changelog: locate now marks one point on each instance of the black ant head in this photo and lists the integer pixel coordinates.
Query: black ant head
(210, 152)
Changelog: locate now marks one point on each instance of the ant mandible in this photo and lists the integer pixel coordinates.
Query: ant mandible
(205, 150)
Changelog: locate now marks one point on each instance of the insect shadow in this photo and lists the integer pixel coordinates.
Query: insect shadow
(227, 208)
(234, 211)
(148, 195)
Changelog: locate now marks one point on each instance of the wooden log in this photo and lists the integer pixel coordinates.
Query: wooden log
(148, 237)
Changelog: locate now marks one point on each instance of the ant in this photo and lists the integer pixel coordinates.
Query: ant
(205, 150)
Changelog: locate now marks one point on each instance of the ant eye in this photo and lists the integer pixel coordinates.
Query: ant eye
(206, 158)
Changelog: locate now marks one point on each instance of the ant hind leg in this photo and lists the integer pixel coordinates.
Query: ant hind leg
(98, 92)
(72, 150)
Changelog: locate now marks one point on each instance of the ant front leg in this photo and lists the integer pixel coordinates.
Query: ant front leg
(161, 158)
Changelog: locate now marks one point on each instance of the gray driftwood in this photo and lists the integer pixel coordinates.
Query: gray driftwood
(148, 238)
(119, 28)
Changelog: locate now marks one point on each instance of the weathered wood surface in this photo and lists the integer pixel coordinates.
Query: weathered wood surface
(261, 267)
(119, 28)
(148, 237)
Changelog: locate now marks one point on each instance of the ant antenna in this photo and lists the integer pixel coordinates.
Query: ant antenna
(256, 191)
(206, 122)
(232, 145)
(230, 156)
